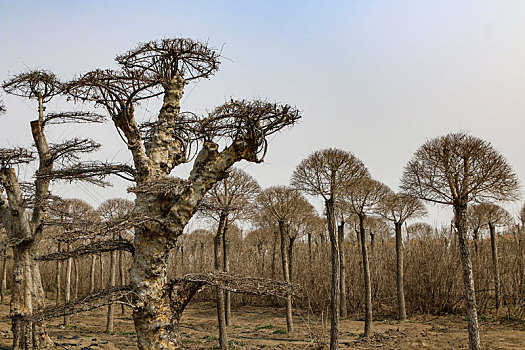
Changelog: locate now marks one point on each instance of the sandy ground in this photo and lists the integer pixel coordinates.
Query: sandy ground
(258, 328)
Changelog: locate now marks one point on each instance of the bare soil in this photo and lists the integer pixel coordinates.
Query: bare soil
(258, 328)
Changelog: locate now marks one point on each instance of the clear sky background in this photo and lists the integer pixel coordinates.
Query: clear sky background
(375, 78)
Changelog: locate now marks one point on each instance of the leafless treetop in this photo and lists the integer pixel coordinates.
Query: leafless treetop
(364, 195)
(33, 84)
(167, 58)
(459, 167)
(398, 207)
(328, 173)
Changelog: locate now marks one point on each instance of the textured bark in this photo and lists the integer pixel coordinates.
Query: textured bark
(92, 274)
(101, 270)
(112, 283)
(290, 257)
(122, 272)
(221, 317)
(460, 211)
(342, 273)
(226, 268)
(75, 266)
(274, 253)
(495, 270)
(401, 309)
(3, 276)
(335, 292)
(286, 274)
(366, 276)
(67, 283)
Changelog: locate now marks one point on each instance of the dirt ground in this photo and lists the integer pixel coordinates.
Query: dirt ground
(257, 328)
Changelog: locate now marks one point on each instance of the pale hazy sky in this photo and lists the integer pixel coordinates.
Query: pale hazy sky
(376, 78)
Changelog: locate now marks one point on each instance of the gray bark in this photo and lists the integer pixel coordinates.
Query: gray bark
(67, 286)
(286, 275)
(92, 274)
(3, 281)
(335, 292)
(226, 268)
(495, 270)
(221, 314)
(342, 274)
(366, 275)
(401, 309)
(112, 283)
(460, 212)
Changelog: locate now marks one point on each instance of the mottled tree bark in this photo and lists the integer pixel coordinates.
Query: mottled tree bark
(495, 270)
(342, 273)
(122, 270)
(366, 276)
(92, 274)
(221, 317)
(335, 292)
(101, 270)
(460, 212)
(112, 283)
(286, 274)
(58, 278)
(226, 268)
(401, 309)
(67, 283)
(3, 276)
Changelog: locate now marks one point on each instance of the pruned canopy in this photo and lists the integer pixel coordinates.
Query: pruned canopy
(33, 84)
(459, 167)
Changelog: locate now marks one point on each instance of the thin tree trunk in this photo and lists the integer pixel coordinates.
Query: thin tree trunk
(112, 283)
(92, 274)
(67, 287)
(3, 282)
(286, 275)
(290, 258)
(460, 212)
(58, 278)
(342, 274)
(221, 317)
(366, 275)
(310, 248)
(101, 270)
(122, 270)
(335, 292)
(401, 309)
(495, 271)
(226, 268)
(274, 253)
(75, 265)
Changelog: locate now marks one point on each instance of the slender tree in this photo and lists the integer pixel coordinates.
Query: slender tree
(398, 208)
(24, 219)
(493, 215)
(457, 169)
(166, 203)
(287, 207)
(363, 197)
(328, 173)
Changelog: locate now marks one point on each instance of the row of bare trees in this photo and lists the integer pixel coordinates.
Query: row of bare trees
(457, 170)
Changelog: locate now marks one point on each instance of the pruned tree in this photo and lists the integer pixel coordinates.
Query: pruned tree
(493, 215)
(398, 207)
(328, 173)
(23, 208)
(286, 206)
(363, 197)
(458, 169)
(230, 199)
(163, 68)
(112, 210)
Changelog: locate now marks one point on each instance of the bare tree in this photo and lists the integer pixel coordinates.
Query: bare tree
(457, 169)
(363, 197)
(230, 199)
(23, 212)
(328, 173)
(493, 215)
(286, 206)
(398, 208)
(113, 210)
(163, 68)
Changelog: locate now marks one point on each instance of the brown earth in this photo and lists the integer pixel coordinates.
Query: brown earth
(258, 327)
